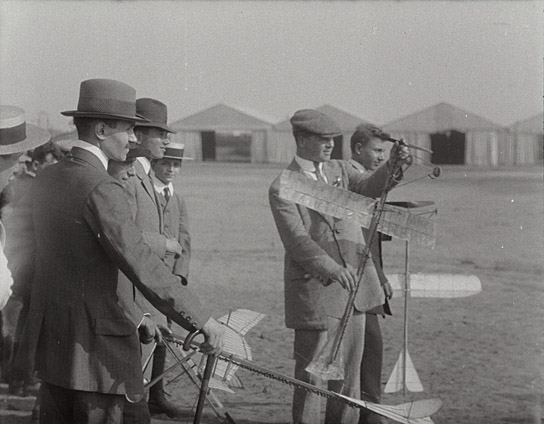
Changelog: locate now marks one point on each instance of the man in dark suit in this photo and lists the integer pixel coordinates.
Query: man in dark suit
(86, 343)
(322, 255)
(152, 139)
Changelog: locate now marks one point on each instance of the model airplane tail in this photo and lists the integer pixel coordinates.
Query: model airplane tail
(398, 379)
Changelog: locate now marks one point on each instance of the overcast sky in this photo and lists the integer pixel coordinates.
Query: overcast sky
(378, 60)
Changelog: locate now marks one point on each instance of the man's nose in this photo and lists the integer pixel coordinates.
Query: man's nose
(132, 137)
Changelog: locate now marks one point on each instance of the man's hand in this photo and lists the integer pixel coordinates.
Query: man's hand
(172, 246)
(388, 290)
(347, 277)
(214, 333)
(148, 331)
(401, 154)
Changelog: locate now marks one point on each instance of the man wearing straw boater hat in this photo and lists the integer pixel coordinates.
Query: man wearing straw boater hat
(322, 255)
(153, 139)
(175, 217)
(16, 137)
(86, 344)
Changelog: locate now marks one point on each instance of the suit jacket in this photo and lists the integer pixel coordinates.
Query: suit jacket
(78, 323)
(176, 225)
(149, 219)
(317, 245)
(147, 212)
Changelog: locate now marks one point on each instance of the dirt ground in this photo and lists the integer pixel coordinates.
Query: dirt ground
(481, 355)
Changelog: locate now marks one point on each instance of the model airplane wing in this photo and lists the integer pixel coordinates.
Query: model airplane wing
(237, 324)
(416, 412)
(437, 285)
(333, 201)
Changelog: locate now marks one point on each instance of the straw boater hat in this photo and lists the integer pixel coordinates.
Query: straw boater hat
(156, 112)
(109, 99)
(175, 151)
(16, 135)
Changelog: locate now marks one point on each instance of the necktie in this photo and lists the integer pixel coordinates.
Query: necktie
(167, 194)
(319, 174)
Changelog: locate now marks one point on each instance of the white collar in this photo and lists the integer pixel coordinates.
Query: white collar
(145, 163)
(308, 165)
(160, 186)
(95, 150)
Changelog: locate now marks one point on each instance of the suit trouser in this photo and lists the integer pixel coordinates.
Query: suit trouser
(371, 371)
(66, 406)
(308, 343)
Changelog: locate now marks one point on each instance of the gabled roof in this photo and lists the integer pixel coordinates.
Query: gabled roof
(441, 117)
(346, 121)
(532, 125)
(221, 117)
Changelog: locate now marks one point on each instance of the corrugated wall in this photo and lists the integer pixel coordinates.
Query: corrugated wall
(258, 147)
(280, 147)
(192, 141)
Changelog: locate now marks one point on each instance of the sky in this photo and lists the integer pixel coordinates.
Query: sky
(379, 60)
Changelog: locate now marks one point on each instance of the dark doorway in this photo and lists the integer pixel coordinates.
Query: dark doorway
(233, 147)
(338, 147)
(208, 145)
(448, 148)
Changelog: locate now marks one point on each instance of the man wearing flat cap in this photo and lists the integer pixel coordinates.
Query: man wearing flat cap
(322, 255)
(152, 140)
(85, 340)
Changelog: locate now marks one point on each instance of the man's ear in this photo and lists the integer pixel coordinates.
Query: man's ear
(100, 130)
(357, 148)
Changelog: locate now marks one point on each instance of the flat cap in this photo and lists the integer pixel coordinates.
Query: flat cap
(314, 122)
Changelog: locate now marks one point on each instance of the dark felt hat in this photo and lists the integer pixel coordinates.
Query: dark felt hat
(16, 135)
(105, 98)
(156, 112)
(314, 122)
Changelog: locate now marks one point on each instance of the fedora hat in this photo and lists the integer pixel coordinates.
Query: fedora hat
(175, 151)
(156, 112)
(16, 135)
(105, 98)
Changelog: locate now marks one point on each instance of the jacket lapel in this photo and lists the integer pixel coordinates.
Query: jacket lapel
(147, 183)
(294, 166)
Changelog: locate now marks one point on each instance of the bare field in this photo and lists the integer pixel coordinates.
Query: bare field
(481, 355)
